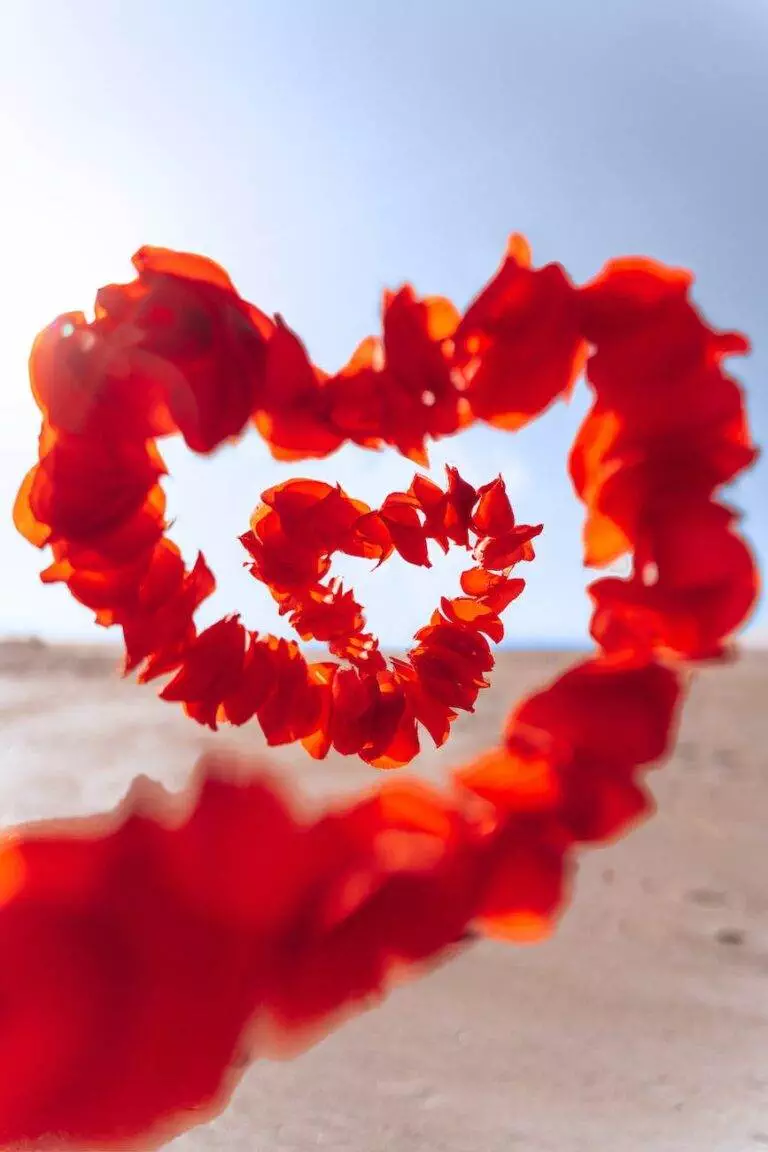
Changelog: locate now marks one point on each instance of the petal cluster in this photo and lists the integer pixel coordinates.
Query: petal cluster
(150, 953)
(179, 351)
(666, 430)
(147, 954)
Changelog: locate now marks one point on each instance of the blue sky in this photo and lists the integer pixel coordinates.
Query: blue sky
(324, 150)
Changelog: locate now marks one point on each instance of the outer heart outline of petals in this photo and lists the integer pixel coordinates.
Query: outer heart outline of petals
(302, 920)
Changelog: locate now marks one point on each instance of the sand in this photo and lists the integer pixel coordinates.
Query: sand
(643, 1024)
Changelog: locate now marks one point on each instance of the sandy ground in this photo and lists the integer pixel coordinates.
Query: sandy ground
(642, 1025)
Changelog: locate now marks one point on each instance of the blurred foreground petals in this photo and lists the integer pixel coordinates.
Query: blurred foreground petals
(150, 953)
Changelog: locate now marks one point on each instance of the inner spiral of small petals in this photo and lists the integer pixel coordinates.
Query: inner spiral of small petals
(367, 704)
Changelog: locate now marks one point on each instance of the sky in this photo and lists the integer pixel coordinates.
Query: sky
(322, 151)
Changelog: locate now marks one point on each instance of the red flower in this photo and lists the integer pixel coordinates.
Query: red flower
(227, 673)
(284, 565)
(356, 398)
(183, 326)
(620, 479)
(666, 417)
(401, 389)
(370, 715)
(447, 515)
(329, 614)
(56, 501)
(496, 591)
(419, 396)
(294, 410)
(404, 893)
(525, 870)
(211, 671)
(102, 548)
(500, 553)
(649, 339)
(603, 721)
(572, 748)
(316, 515)
(696, 583)
(160, 626)
(450, 659)
(493, 515)
(176, 348)
(87, 380)
(135, 952)
(400, 517)
(290, 680)
(519, 340)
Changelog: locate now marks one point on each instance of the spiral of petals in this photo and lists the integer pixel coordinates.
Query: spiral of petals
(181, 942)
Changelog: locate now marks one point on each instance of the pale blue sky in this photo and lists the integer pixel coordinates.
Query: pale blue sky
(322, 149)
